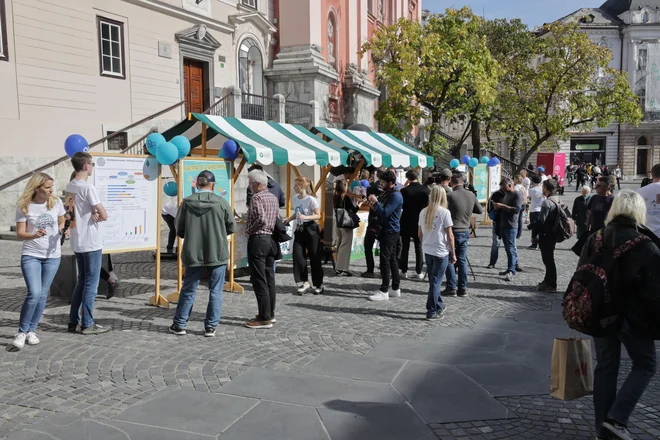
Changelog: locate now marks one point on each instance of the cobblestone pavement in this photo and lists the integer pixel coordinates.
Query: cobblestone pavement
(99, 377)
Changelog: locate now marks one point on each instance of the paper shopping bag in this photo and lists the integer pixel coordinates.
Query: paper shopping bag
(571, 376)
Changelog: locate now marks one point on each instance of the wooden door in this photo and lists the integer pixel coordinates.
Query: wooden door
(193, 85)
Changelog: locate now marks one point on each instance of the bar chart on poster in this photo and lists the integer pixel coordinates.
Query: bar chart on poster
(128, 189)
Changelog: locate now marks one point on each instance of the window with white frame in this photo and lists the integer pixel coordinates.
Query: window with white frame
(4, 51)
(250, 3)
(111, 47)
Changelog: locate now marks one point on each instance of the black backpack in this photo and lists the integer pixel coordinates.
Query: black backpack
(564, 226)
(592, 303)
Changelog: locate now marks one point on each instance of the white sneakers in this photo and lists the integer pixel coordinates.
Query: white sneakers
(22, 338)
(421, 275)
(404, 276)
(303, 288)
(384, 296)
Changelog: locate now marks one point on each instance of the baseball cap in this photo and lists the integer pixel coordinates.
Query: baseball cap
(541, 169)
(446, 173)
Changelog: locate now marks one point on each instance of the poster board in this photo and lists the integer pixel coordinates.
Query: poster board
(494, 178)
(190, 169)
(481, 183)
(128, 187)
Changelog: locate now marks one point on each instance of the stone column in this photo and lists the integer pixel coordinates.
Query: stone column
(316, 113)
(235, 100)
(281, 108)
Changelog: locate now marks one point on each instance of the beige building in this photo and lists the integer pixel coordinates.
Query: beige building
(95, 66)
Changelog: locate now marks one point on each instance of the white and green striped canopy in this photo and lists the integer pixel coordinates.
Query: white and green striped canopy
(270, 142)
(378, 149)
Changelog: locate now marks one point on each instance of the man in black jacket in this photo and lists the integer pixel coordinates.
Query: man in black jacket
(373, 231)
(544, 228)
(494, 215)
(415, 198)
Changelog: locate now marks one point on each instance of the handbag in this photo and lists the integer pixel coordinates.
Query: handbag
(279, 232)
(347, 219)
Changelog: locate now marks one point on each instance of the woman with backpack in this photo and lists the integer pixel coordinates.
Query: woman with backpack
(639, 295)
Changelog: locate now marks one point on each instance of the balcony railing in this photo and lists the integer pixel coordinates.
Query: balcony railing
(259, 108)
(224, 108)
(299, 113)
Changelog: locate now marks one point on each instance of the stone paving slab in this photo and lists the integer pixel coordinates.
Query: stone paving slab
(351, 366)
(366, 420)
(65, 427)
(307, 389)
(449, 354)
(509, 379)
(443, 394)
(189, 411)
(482, 340)
(277, 421)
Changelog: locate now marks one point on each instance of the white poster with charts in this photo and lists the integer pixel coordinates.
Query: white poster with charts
(128, 188)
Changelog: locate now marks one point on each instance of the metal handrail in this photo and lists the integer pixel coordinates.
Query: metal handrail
(93, 144)
(142, 141)
(223, 107)
(508, 166)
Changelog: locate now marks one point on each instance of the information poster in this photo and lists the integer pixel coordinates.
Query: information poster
(220, 168)
(481, 182)
(495, 176)
(128, 189)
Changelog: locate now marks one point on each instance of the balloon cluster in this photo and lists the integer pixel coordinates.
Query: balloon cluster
(229, 150)
(473, 162)
(75, 144)
(167, 153)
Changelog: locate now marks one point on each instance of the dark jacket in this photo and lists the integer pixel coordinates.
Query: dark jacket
(415, 198)
(389, 211)
(462, 204)
(204, 221)
(274, 188)
(546, 220)
(496, 197)
(579, 214)
(373, 222)
(642, 278)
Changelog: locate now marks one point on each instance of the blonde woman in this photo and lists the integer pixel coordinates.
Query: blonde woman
(307, 238)
(435, 232)
(39, 223)
(341, 200)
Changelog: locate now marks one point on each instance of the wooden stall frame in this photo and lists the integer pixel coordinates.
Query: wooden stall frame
(156, 299)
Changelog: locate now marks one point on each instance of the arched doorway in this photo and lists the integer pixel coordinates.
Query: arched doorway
(643, 156)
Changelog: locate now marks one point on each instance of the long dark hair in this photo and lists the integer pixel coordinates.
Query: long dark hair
(340, 193)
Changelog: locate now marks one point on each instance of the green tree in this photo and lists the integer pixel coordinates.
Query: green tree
(443, 66)
(554, 83)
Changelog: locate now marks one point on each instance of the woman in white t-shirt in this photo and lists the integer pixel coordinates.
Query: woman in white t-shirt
(307, 238)
(435, 231)
(39, 223)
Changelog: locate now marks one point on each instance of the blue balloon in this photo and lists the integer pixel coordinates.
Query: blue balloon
(454, 163)
(150, 169)
(182, 144)
(365, 183)
(473, 162)
(153, 141)
(485, 159)
(171, 189)
(75, 144)
(167, 154)
(229, 150)
(465, 159)
(493, 162)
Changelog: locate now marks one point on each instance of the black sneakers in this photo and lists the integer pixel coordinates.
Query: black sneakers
(175, 329)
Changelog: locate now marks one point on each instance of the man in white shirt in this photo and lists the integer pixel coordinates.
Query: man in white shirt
(525, 180)
(618, 174)
(540, 171)
(536, 200)
(85, 211)
(651, 195)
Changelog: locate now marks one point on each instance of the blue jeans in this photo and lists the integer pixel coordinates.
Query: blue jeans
(191, 281)
(39, 274)
(461, 240)
(608, 404)
(436, 268)
(509, 241)
(494, 246)
(87, 286)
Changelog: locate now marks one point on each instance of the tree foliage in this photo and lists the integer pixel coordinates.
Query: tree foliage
(519, 85)
(555, 83)
(444, 66)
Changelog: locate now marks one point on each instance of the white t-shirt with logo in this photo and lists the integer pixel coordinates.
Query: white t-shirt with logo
(40, 217)
(306, 205)
(651, 195)
(435, 240)
(536, 198)
(85, 232)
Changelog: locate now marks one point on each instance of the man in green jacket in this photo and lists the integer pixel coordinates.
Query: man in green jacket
(204, 221)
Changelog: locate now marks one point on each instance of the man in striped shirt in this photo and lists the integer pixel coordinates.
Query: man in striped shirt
(262, 249)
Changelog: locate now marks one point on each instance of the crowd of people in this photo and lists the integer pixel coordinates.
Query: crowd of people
(436, 216)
